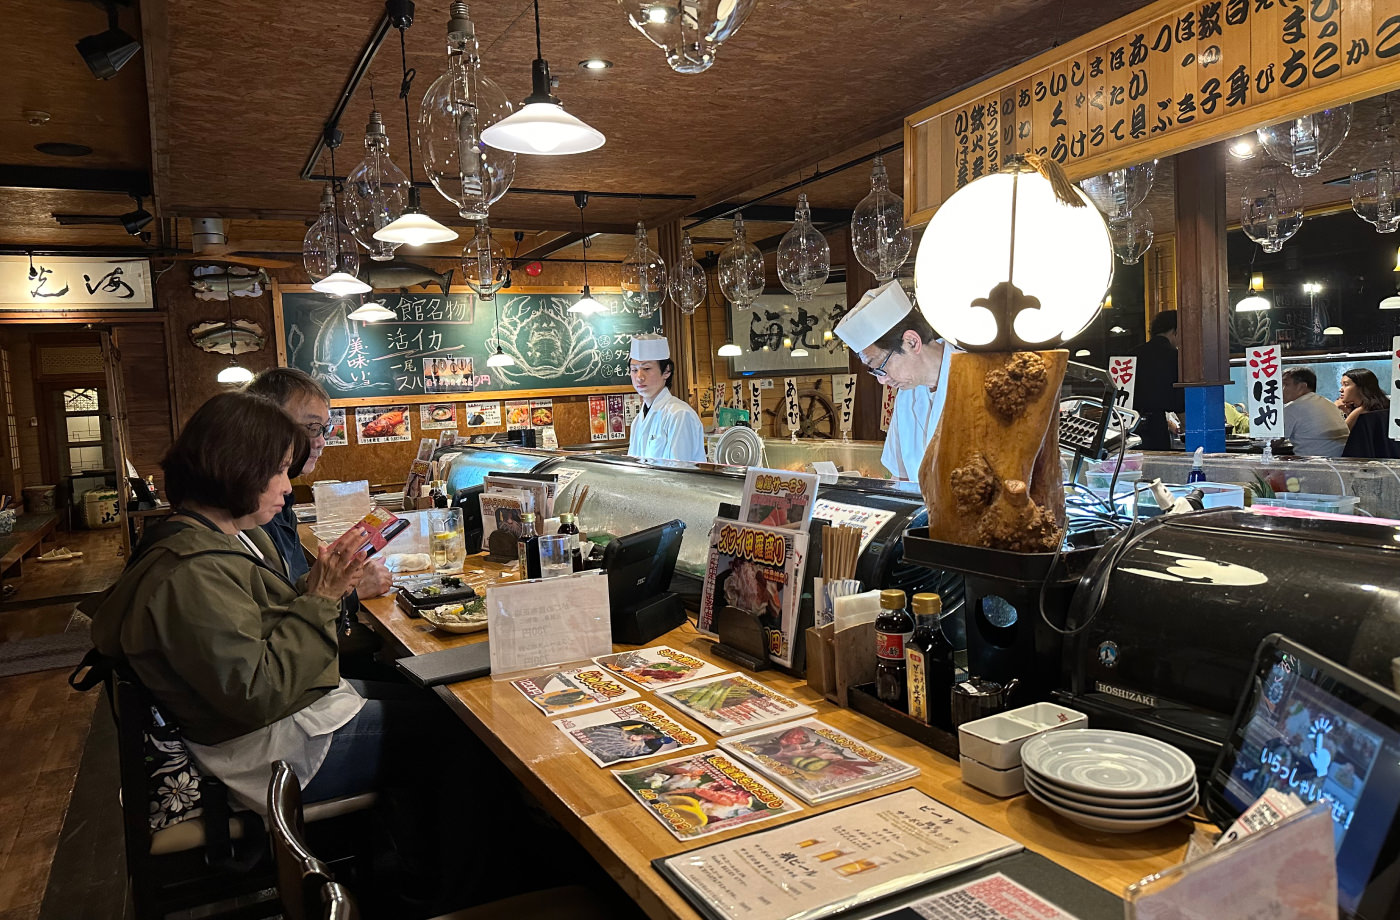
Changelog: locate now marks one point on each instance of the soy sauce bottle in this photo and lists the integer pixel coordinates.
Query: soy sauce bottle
(529, 547)
(568, 524)
(929, 663)
(893, 627)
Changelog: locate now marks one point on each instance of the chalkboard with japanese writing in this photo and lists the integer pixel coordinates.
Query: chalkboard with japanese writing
(437, 345)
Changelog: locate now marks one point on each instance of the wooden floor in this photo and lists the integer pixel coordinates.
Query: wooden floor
(43, 724)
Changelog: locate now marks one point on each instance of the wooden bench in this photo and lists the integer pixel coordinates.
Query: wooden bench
(29, 533)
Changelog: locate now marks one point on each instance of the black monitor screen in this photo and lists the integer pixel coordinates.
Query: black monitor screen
(640, 565)
(1309, 730)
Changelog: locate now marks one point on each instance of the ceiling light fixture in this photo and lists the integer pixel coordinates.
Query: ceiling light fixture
(688, 284)
(341, 281)
(1243, 148)
(1255, 302)
(1271, 208)
(643, 276)
(1082, 353)
(804, 258)
(484, 266)
(455, 109)
(133, 222)
(1332, 330)
(542, 126)
(1390, 303)
(585, 304)
(235, 373)
(63, 149)
(879, 238)
(594, 64)
(1304, 143)
(413, 228)
(108, 52)
(373, 312)
(689, 33)
(324, 238)
(729, 350)
(799, 351)
(741, 269)
(1117, 330)
(1119, 191)
(1375, 179)
(500, 358)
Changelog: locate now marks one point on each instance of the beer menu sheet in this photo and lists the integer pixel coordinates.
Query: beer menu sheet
(832, 862)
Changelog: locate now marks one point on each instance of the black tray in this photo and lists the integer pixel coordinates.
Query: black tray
(863, 700)
(411, 603)
(980, 562)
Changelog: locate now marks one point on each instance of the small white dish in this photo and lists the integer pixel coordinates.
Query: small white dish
(1077, 797)
(996, 740)
(1001, 783)
(1108, 762)
(1107, 825)
(1180, 806)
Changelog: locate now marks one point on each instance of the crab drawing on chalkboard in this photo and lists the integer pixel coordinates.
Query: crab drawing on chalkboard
(546, 341)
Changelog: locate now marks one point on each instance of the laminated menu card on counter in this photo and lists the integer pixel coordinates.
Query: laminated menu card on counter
(778, 498)
(547, 622)
(704, 794)
(733, 703)
(756, 569)
(830, 863)
(633, 732)
(577, 688)
(816, 761)
(658, 666)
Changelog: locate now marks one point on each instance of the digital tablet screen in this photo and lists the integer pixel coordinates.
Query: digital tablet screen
(1308, 730)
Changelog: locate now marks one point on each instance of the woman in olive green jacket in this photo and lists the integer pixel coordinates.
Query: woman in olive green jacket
(243, 660)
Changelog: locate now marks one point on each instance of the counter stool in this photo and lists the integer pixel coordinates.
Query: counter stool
(307, 890)
(170, 869)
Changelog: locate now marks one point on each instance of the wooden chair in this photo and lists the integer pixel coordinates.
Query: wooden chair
(307, 890)
(170, 869)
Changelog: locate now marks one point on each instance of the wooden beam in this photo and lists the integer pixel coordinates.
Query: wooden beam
(1203, 320)
(554, 243)
(155, 55)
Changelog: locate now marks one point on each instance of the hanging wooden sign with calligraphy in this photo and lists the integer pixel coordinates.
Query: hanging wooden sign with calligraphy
(1264, 381)
(68, 284)
(1123, 370)
(843, 388)
(1167, 78)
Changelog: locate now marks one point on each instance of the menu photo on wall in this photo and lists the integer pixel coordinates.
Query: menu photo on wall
(482, 414)
(382, 424)
(335, 429)
(437, 416)
(1264, 381)
(617, 419)
(597, 418)
(517, 414)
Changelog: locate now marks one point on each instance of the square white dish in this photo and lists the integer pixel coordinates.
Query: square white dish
(996, 740)
(1001, 783)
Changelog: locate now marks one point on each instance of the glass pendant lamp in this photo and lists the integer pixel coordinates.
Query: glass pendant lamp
(455, 110)
(342, 280)
(1254, 301)
(413, 227)
(729, 350)
(375, 191)
(741, 271)
(878, 236)
(1119, 191)
(485, 268)
(541, 126)
(318, 248)
(643, 276)
(1271, 208)
(688, 284)
(804, 258)
(585, 304)
(689, 32)
(1375, 183)
(1132, 235)
(1303, 144)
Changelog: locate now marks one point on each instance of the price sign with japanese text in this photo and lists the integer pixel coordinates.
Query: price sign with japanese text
(794, 410)
(1264, 380)
(887, 406)
(737, 401)
(843, 388)
(755, 404)
(1123, 370)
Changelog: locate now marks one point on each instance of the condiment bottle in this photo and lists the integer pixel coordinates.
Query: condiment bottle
(930, 665)
(529, 547)
(568, 524)
(893, 627)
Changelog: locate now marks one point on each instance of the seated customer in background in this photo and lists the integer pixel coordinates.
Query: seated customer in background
(1361, 393)
(308, 404)
(1311, 422)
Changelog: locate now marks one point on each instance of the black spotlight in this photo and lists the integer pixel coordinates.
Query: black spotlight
(134, 222)
(107, 52)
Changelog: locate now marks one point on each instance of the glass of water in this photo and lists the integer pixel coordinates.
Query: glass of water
(447, 543)
(555, 556)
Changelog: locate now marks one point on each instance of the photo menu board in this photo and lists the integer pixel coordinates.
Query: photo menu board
(438, 344)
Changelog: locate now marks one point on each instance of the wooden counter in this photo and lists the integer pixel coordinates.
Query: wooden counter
(594, 807)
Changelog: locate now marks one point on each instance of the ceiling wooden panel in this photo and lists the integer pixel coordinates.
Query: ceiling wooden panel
(26, 218)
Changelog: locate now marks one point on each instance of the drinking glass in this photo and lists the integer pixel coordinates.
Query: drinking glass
(447, 543)
(555, 556)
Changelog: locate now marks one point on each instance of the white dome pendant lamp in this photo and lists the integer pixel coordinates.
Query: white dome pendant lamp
(542, 127)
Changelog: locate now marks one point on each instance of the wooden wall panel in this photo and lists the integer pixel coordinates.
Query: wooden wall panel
(150, 421)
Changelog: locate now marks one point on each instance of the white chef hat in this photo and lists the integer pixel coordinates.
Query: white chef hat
(650, 347)
(873, 316)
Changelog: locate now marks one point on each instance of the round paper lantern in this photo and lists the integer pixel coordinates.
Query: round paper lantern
(1006, 264)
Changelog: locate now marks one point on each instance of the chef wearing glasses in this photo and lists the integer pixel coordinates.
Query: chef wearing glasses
(901, 350)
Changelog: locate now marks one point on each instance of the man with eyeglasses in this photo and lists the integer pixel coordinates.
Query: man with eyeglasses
(308, 403)
(901, 350)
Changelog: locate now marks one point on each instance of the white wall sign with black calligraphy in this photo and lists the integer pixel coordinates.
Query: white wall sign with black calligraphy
(68, 284)
(1169, 77)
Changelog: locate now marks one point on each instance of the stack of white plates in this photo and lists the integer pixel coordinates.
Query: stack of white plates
(1109, 781)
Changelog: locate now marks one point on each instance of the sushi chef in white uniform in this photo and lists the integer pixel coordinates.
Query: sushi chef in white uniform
(667, 428)
(901, 350)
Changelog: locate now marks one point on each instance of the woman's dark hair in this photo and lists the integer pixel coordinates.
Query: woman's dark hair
(229, 450)
(915, 322)
(1372, 396)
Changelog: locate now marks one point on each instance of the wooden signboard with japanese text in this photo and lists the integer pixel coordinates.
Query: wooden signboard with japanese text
(1168, 78)
(436, 348)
